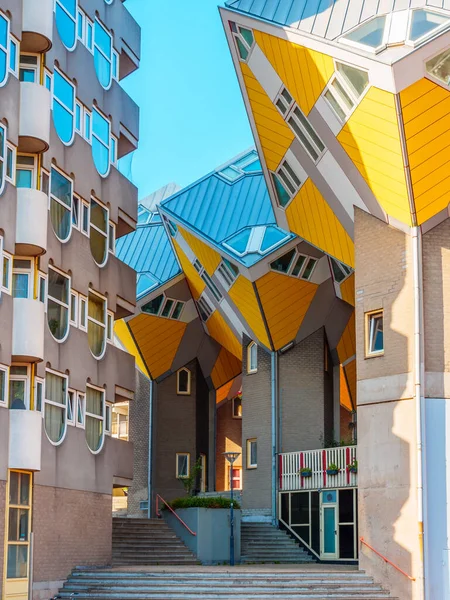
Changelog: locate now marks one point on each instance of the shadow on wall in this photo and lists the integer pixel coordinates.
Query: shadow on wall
(386, 425)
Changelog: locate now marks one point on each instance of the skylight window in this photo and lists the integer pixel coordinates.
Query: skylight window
(144, 284)
(423, 22)
(295, 264)
(369, 34)
(247, 164)
(439, 67)
(256, 240)
(143, 216)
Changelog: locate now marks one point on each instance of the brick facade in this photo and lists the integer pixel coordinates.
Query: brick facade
(71, 528)
(228, 439)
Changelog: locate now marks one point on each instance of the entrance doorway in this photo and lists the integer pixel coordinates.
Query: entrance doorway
(328, 525)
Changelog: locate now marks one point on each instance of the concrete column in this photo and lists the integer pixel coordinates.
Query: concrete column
(337, 403)
(212, 442)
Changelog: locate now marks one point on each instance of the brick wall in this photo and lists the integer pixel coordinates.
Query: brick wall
(71, 528)
(138, 432)
(228, 439)
(303, 395)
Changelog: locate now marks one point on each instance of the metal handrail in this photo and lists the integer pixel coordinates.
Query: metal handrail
(158, 514)
(386, 560)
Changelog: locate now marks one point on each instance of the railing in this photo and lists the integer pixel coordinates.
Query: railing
(158, 514)
(386, 560)
(291, 463)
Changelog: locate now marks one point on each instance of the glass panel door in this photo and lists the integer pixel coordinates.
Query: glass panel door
(329, 525)
(18, 537)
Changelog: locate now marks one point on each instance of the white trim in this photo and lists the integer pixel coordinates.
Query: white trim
(249, 443)
(81, 404)
(82, 301)
(177, 474)
(60, 202)
(62, 406)
(73, 314)
(252, 368)
(188, 391)
(108, 418)
(107, 58)
(60, 102)
(110, 327)
(25, 378)
(98, 417)
(95, 322)
(59, 302)
(72, 403)
(38, 381)
(104, 234)
(72, 18)
(9, 260)
(4, 402)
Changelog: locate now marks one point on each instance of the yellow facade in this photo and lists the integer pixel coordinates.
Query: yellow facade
(347, 344)
(158, 340)
(274, 135)
(227, 367)
(243, 295)
(219, 329)
(426, 118)
(196, 283)
(209, 258)
(348, 290)
(311, 218)
(371, 137)
(285, 301)
(304, 72)
(126, 339)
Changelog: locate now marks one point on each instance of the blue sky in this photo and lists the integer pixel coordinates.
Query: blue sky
(193, 117)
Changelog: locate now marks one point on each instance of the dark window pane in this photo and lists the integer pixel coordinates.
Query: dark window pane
(346, 541)
(300, 508)
(345, 506)
(315, 522)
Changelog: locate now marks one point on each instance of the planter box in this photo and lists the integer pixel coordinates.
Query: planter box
(211, 545)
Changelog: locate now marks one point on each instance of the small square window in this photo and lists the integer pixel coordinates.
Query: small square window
(82, 307)
(252, 453)
(73, 309)
(237, 407)
(81, 410)
(87, 126)
(39, 395)
(71, 407)
(182, 465)
(374, 333)
(85, 218)
(252, 358)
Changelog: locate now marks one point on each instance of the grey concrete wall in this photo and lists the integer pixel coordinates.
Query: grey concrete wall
(139, 436)
(211, 544)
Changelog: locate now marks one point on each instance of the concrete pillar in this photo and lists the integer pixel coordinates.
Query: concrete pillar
(337, 403)
(212, 442)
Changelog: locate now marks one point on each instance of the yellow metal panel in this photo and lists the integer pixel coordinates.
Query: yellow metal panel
(426, 117)
(310, 217)
(347, 344)
(350, 374)
(348, 290)
(304, 72)
(227, 367)
(222, 392)
(274, 135)
(371, 138)
(285, 301)
(196, 283)
(209, 258)
(219, 329)
(345, 399)
(126, 339)
(158, 340)
(243, 295)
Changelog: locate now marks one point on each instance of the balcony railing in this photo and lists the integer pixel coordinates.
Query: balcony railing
(291, 464)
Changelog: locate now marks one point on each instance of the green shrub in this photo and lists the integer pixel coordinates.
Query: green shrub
(201, 502)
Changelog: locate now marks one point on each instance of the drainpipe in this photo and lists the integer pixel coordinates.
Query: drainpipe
(418, 393)
(274, 388)
(150, 443)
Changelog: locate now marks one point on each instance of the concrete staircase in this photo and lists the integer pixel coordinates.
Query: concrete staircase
(263, 543)
(148, 542)
(241, 583)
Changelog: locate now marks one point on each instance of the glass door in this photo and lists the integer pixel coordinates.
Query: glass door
(329, 525)
(18, 535)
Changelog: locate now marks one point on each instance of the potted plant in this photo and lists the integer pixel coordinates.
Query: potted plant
(305, 472)
(332, 469)
(353, 466)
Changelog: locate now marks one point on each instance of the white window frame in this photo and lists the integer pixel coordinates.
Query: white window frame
(36, 68)
(13, 41)
(78, 109)
(45, 175)
(371, 332)
(25, 271)
(295, 258)
(81, 15)
(4, 402)
(237, 35)
(76, 210)
(203, 304)
(232, 468)
(115, 65)
(110, 327)
(72, 112)
(87, 115)
(60, 202)
(306, 134)
(85, 211)
(72, 403)
(108, 418)
(59, 3)
(11, 151)
(207, 280)
(348, 90)
(82, 301)
(289, 180)
(252, 368)
(81, 405)
(26, 378)
(104, 325)
(48, 76)
(99, 140)
(177, 474)
(249, 443)
(9, 259)
(112, 237)
(97, 47)
(31, 168)
(73, 315)
(57, 404)
(98, 230)
(188, 391)
(39, 382)
(113, 142)
(57, 301)
(226, 276)
(42, 277)
(97, 417)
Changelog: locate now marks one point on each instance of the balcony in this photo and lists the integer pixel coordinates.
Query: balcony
(28, 330)
(291, 463)
(31, 222)
(25, 437)
(35, 111)
(37, 25)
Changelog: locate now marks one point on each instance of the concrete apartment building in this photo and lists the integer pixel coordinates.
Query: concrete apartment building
(64, 122)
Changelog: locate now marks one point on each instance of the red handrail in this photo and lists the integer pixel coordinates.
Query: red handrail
(386, 560)
(158, 498)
